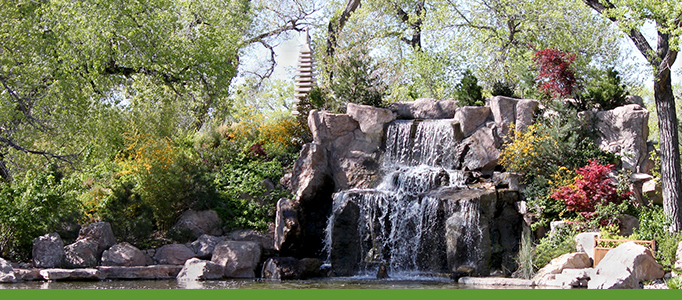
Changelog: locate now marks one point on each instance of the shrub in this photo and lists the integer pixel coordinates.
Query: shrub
(554, 245)
(37, 204)
(502, 89)
(592, 186)
(468, 92)
(356, 79)
(131, 219)
(605, 93)
(653, 224)
(555, 78)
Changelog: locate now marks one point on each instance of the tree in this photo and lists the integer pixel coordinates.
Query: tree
(630, 16)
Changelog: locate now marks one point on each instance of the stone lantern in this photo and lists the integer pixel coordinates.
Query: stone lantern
(305, 80)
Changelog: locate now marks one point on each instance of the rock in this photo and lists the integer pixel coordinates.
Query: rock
(508, 180)
(285, 182)
(570, 278)
(311, 172)
(81, 254)
(585, 242)
(123, 254)
(287, 228)
(282, 268)
(197, 269)
(204, 245)
(624, 267)
(525, 111)
(27, 274)
(481, 150)
(200, 222)
(71, 274)
(467, 228)
(100, 233)
(148, 272)
(628, 224)
(471, 117)
(48, 251)
(632, 99)
(651, 189)
(370, 119)
(265, 240)
(382, 273)
(238, 258)
(173, 254)
(495, 281)
(547, 275)
(425, 108)
(312, 267)
(68, 231)
(6, 272)
(326, 127)
(508, 111)
(624, 131)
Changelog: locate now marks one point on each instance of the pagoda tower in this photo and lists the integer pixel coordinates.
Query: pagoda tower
(305, 80)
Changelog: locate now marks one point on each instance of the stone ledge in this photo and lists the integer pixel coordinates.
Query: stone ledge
(148, 272)
(496, 281)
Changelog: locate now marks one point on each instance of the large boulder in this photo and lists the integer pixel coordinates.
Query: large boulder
(173, 254)
(199, 222)
(585, 242)
(481, 150)
(123, 254)
(471, 117)
(282, 268)
(326, 127)
(370, 119)
(238, 258)
(6, 272)
(425, 108)
(48, 251)
(81, 254)
(507, 111)
(100, 233)
(287, 227)
(624, 131)
(197, 269)
(624, 267)
(547, 275)
(311, 172)
(204, 245)
(265, 240)
(141, 272)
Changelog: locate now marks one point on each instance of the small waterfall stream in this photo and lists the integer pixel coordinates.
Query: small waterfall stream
(397, 223)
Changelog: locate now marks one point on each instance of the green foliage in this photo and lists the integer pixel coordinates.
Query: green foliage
(502, 89)
(554, 245)
(356, 79)
(468, 92)
(605, 92)
(674, 283)
(131, 219)
(526, 255)
(33, 206)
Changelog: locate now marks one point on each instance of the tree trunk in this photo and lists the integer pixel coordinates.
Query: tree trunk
(671, 176)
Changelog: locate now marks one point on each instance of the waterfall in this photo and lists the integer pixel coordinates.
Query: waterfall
(398, 225)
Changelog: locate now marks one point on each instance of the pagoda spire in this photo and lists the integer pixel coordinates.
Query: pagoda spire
(305, 79)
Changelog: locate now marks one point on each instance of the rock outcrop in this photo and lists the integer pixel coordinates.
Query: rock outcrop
(173, 254)
(199, 222)
(6, 272)
(204, 245)
(99, 233)
(81, 254)
(123, 254)
(239, 259)
(197, 269)
(624, 131)
(624, 267)
(425, 108)
(547, 276)
(48, 251)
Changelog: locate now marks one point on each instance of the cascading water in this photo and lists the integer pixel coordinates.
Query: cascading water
(397, 223)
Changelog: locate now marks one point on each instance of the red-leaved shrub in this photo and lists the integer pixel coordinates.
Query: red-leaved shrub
(556, 78)
(592, 186)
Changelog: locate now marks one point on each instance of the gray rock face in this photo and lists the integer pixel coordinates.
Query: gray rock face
(173, 254)
(371, 119)
(311, 172)
(624, 267)
(6, 272)
(238, 258)
(81, 254)
(287, 228)
(197, 269)
(27, 274)
(585, 242)
(148, 272)
(481, 149)
(204, 245)
(200, 222)
(326, 127)
(425, 108)
(628, 224)
(624, 130)
(123, 254)
(71, 274)
(265, 240)
(471, 117)
(508, 111)
(547, 275)
(48, 251)
(100, 233)
(282, 268)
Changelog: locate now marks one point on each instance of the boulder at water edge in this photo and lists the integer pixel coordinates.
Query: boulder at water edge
(197, 269)
(123, 254)
(48, 251)
(585, 242)
(238, 258)
(624, 267)
(282, 268)
(6, 272)
(173, 254)
(287, 229)
(81, 254)
(204, 245)
(199, 222)
(265, 240)
(100, 233)
(547, 275)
